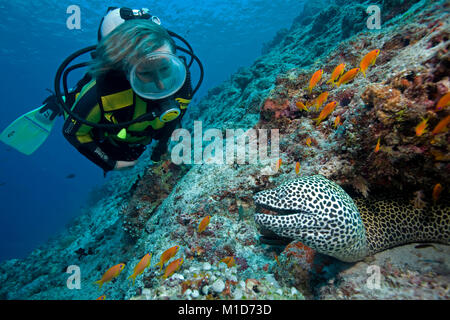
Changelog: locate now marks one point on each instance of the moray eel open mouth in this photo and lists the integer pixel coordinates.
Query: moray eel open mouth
(286, 213)
(273, 211)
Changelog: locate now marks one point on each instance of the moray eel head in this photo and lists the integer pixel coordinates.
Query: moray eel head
(317, 212)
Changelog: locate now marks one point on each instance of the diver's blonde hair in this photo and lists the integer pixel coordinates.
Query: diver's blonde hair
(127, 43)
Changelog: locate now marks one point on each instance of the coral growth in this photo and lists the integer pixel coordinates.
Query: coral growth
(148, 193)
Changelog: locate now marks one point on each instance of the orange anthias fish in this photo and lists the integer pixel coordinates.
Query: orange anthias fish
(166, 256)
(327, 110)
(315, 79)
(338, 71)
(321, 100)
(229, 261)
(441, 126)
(278, 164)
(437, 191)
(337, 122)
(348, 76)
(276, 259)
(141, 266)
(112, 273)
(173, 267)
(444, 102)
(308, 142)
(377, 147)
(301, 106)
(420, 128)
(103, 297)
(369, 60)
(297, 167)
(203, 224)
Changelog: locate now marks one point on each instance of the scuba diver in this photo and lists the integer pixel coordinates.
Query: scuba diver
(136, 90)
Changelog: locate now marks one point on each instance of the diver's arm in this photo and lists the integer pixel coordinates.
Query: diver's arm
(80, 135)
(87, 146)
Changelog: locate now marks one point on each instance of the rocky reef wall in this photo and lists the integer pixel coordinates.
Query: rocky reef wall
(152, 208)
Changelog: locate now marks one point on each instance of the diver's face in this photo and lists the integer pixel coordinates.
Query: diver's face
(155, 70)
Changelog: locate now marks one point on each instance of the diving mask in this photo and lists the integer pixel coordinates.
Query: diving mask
(157, 75)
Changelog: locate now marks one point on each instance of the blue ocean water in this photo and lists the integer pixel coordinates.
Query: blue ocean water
(36, 194)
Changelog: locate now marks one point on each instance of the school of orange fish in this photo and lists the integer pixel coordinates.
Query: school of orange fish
(338, 78)
(144, 263)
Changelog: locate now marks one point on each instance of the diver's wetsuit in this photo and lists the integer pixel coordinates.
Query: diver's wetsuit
(110, 99)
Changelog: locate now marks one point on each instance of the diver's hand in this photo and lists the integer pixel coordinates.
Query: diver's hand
(122, 165)
(51, 103)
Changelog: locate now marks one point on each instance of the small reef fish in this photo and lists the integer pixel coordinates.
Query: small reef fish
(278, 164)
(301, 106)
(321, 100)
(338, 71)
(110, 274)
(315, 79)
(444, 102)
(327, 110)
(229, 261)
(437, 191)
(167, 255)
(203, 224)
(348, 76)
(173, 267)
(297, 167)
(141, 266)
(70, 176)
(337, 122)
(369, 60)
(308, 142)
(276, 259)
(377, 147)
(441, 126)
(420, 128)
(103, 297)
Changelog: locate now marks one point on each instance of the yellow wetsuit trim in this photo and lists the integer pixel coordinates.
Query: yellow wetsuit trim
(84, 132)
(139, 109)
(117, 100)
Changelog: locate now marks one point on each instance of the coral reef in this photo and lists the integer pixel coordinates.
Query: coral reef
(152, 208)
(148, 193)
